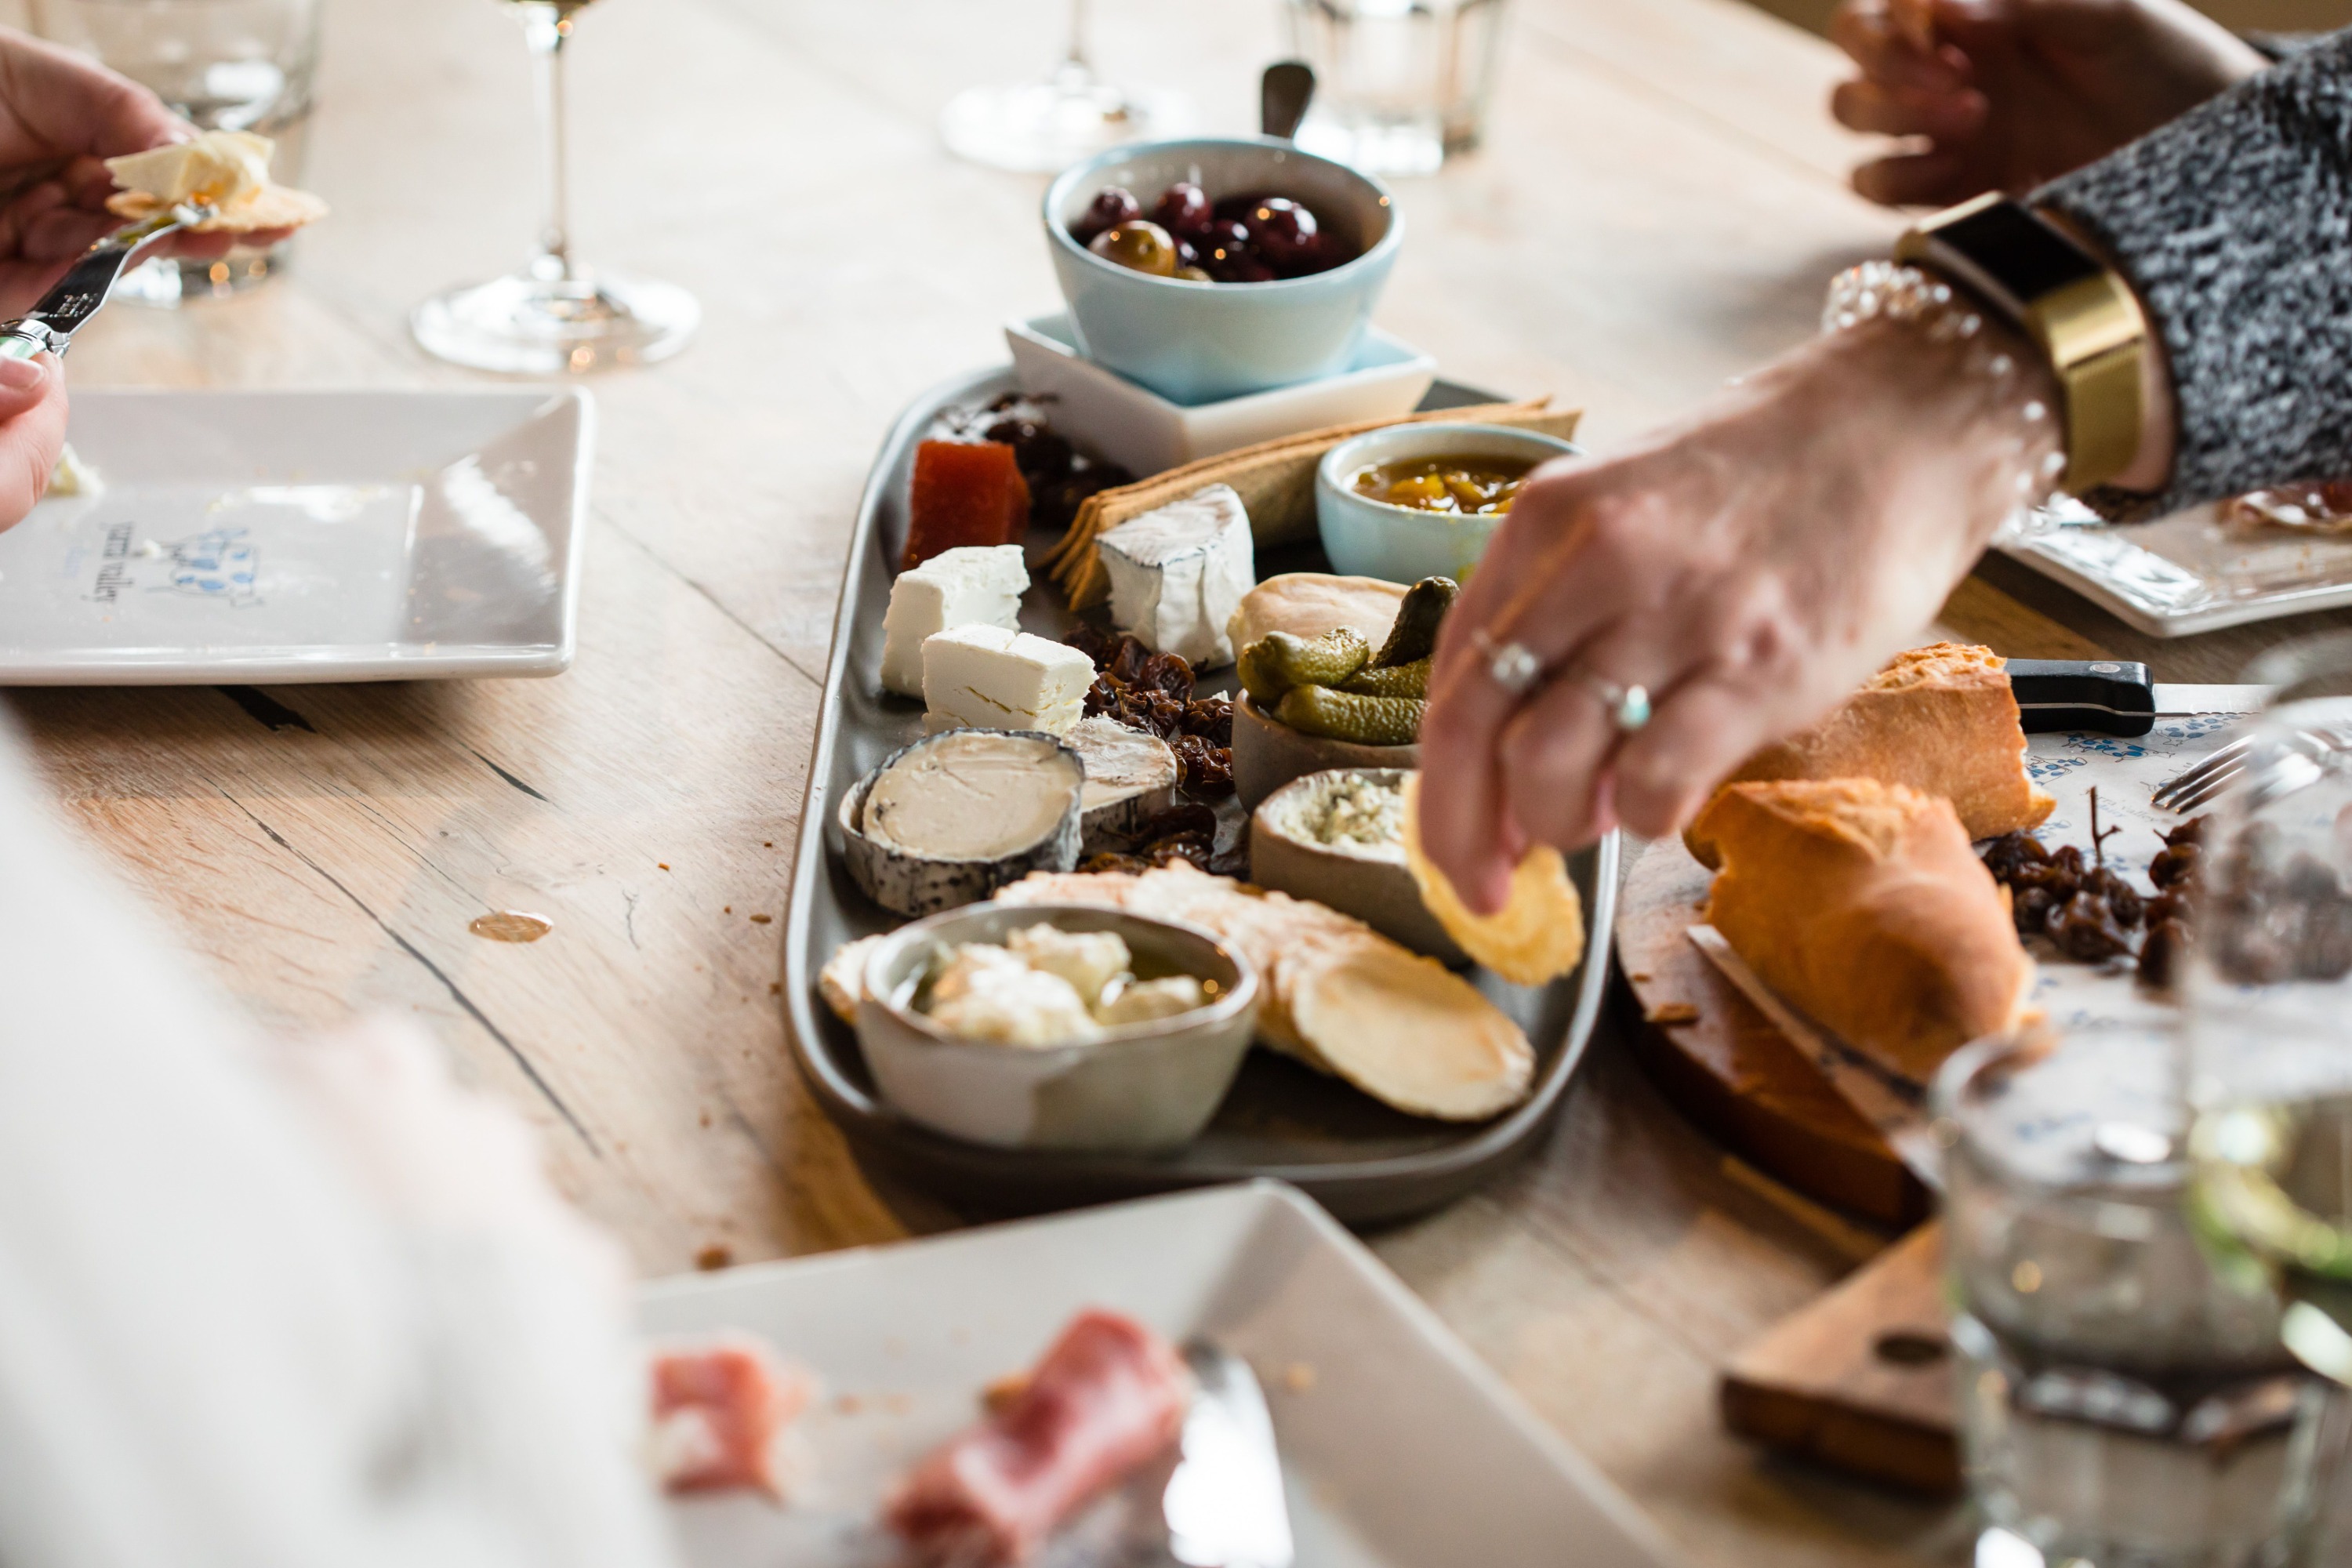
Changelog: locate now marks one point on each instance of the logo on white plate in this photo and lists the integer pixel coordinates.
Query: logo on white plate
(221, 563)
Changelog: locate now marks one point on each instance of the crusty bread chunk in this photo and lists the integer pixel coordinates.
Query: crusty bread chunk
(1940, 719)
(1863, 904)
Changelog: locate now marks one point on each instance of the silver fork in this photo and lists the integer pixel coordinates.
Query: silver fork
(2221, 770)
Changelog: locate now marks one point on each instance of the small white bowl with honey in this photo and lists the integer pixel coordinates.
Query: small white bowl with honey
(1421, 501)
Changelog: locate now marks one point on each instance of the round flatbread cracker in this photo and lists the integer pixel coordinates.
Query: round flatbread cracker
(271, 206)
(1537, 937)
(1405, 1029)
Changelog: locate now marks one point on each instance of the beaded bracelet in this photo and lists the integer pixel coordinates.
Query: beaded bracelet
(1888, 290)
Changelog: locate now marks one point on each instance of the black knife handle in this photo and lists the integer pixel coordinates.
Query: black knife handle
(2107, 696)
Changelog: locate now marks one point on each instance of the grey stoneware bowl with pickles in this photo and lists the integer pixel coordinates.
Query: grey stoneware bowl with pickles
(1147, 1088)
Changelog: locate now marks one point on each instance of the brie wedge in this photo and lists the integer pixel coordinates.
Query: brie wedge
(994, 679)
(972, 585)
(1179, 571)
(1130, 778)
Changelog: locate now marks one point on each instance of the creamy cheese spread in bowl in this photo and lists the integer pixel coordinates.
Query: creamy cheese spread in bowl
(1338, 837)
(980, 1024)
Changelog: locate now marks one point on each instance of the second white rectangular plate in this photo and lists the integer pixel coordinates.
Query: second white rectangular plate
(304, 536)
(1399, 1450)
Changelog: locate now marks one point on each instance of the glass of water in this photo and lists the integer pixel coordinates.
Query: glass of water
(224, 65)
(2122, 1402)
(1401, 85)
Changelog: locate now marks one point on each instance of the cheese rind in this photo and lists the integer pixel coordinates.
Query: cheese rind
(1179, 571)
(970, 586)
(1131, 777)
(949, 820)
(993, 678)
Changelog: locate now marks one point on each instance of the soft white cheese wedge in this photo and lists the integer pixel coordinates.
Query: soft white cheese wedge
(993, 678)
(972, 585)
(1179, 571)
(1130, 778)
(218, 167)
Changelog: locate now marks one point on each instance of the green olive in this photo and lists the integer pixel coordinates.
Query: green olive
(1141, 246)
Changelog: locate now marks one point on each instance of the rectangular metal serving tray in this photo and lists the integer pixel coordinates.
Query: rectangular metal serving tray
(1363, 1162)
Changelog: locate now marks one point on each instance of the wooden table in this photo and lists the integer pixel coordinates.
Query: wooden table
(1660, 204)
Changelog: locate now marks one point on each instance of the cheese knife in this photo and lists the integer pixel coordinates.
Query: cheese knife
(2114, 697)
(49, 326)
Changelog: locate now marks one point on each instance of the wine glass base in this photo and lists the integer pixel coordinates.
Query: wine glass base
(522, 324)
(1044, 126)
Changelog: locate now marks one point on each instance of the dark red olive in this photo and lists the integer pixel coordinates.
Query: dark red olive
(1283, 231)
(1183, 209)
(1112, 205)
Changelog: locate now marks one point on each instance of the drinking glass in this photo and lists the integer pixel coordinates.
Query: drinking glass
(555, 316)
(1401, 85)
(1044, 126)
(2123, 1403)
(224, 65)
(2270, 1006)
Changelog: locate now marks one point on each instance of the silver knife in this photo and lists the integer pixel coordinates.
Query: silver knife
(2114, 697)
(50, 325)
(1225, 1504)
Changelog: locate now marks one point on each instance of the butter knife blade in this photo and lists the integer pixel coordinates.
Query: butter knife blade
(50, 325)
(1224, 1503)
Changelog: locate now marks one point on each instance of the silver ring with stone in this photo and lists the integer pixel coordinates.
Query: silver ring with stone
(1628, 707)
(1513, 666)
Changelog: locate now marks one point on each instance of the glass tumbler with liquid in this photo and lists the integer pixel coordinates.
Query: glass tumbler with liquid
(2122, 1404)
(1401, 85)
(224, 65)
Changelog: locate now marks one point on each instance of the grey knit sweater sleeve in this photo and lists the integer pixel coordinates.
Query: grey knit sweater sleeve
(2234, 226)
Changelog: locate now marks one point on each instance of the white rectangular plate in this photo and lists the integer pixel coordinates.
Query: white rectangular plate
(2193, 571)
(304, 536)
(1399, 1448)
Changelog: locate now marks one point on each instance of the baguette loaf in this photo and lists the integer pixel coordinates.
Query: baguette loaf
(1940, 719)
(1863, 904)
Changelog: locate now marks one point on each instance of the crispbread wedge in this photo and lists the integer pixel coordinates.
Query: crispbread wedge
(1405, 1029)
(271, 206)
(1537, 937)
(842, 982)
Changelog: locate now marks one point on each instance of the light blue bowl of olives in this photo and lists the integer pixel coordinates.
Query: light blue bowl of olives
(1422, 500)
(1219, 267)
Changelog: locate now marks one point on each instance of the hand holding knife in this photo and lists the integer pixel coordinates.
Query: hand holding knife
(49, 326)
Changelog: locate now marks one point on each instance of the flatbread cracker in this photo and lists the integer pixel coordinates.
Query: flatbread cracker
(1537, 937)
(271, 206)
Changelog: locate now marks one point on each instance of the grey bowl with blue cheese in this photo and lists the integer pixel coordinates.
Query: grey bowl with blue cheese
(950, 820)
(1337, 837)
(1047, 1049)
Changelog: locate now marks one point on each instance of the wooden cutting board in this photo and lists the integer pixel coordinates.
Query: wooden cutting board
(1862, 1378)
(1728, 1069)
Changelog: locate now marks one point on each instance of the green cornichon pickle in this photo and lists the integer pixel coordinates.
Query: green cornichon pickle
(1351, 716)
(1278, 662)
(1403, 680)
(1414, 636)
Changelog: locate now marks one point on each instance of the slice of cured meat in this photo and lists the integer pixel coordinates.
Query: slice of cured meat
(1110, 1396)
(717, 1409)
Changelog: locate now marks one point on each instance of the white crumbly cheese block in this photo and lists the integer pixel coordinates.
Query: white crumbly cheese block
(1089, 959)
(1178, 573)
(993, 678)
(218, 166)
(988, 994)
(971, 585)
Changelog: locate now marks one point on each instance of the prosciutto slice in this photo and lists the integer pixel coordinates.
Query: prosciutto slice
(1108, 1396)
(718, 1409)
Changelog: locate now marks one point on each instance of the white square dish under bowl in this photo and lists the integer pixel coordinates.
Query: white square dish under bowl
(304, 536)
(1137, 428)
(2196, 571)
(1399, 1448)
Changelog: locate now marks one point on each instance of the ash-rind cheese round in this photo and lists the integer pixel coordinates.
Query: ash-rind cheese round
(950, 820)
(1130, 778)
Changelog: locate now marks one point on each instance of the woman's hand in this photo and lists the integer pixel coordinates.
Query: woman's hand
(1748, 568)
(61, 116)
(2009, 93)
(32, 432)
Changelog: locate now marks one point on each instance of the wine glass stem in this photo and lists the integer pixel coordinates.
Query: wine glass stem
(548, 27)
(1078, 58)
